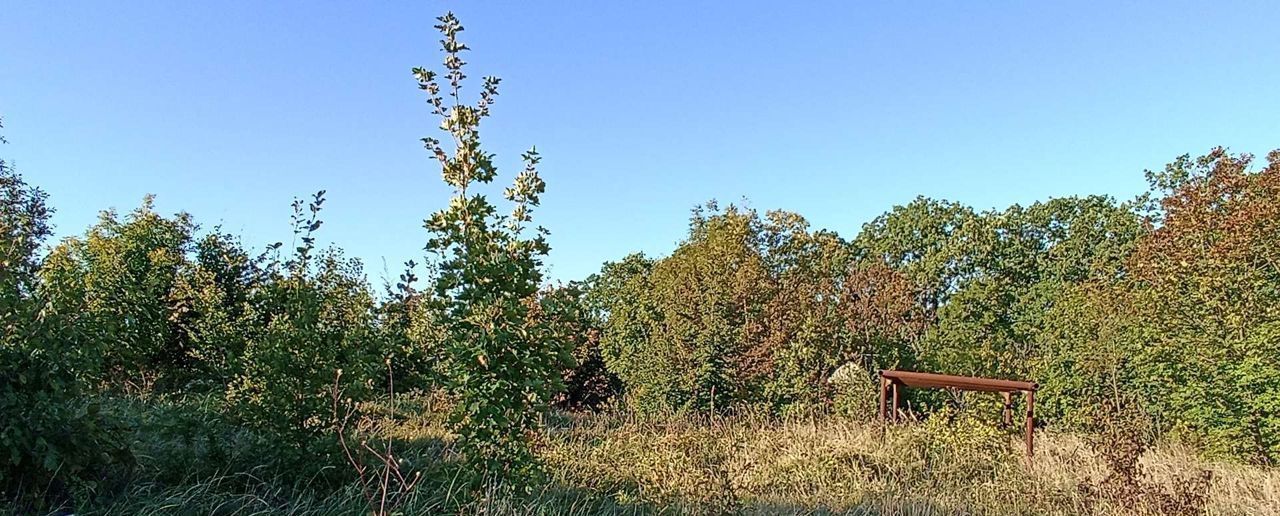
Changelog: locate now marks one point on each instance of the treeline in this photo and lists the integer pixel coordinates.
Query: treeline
(1167, 303)
(1165, 308)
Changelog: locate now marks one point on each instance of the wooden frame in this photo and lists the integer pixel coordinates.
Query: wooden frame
(891, 380)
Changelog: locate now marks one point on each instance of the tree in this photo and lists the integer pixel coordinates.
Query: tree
(831, 309)
(620, 296)
(119, 280)
(994, 281)
(504, 359)
(704, 346)
(1205, 282)
(918, 239)
(749, 310)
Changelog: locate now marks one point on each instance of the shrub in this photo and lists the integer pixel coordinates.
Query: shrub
(409, 328)
(855, 392)
(213, 307)
(1121, 433)
(960, 444)
(319, 320)
(56, 442)
(589, 385)
(53, 442)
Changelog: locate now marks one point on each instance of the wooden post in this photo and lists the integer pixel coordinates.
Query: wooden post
(895, 402)
(1031, 425)
(1008, 408)
(883, 382)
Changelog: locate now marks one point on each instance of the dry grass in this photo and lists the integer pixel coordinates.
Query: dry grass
(620, 463)
(754, 464)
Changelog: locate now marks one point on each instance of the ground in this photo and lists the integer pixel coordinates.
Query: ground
(617, 462)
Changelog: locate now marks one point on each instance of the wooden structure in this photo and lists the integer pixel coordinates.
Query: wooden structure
(891, 381)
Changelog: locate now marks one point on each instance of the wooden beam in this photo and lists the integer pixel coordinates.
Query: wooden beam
(968, 383)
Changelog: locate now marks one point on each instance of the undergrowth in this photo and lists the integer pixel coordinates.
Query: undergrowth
(616, 462)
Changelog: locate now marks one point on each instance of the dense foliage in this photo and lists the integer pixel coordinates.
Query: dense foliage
(588, 384)
(1166, 301)
(54, 441)
(120, 278)
(317, 329)
(751, 310)
(1206, 287)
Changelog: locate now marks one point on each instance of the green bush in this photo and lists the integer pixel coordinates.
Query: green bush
(57, 443)
(213, 306)
(589, 385)
(54, 443)
(408, 323)
(319, 332)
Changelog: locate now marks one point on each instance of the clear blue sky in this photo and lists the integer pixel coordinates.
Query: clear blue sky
(642, 109)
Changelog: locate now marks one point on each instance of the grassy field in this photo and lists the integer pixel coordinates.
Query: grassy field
(620, 463)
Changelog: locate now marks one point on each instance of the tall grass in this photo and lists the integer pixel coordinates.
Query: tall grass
(751, 463)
